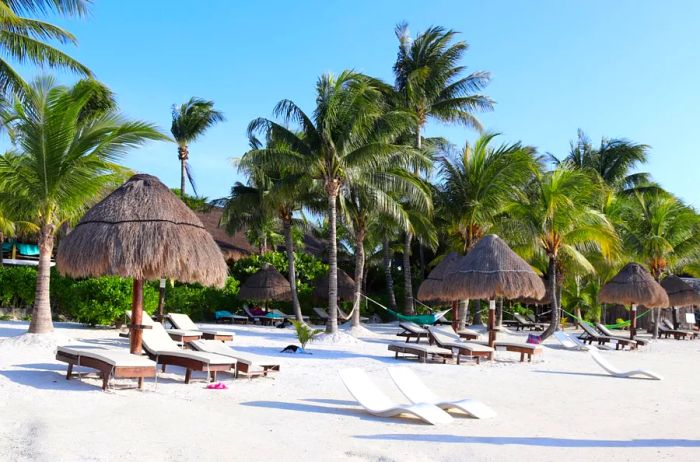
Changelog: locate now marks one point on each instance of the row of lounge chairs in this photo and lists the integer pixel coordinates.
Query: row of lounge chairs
(424, 404)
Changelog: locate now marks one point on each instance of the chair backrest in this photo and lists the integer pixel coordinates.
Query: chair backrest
(440, 339)
(412, 327)
(321, 313)
(589, 330)
(521, 319)
(566, 340)
(246, 309)
(182, 321)
(531, 317)
(601, 327)
(157, 339)
(447, 332)
(602, 362)
(364, 390)
(667, 323)
(411, 386)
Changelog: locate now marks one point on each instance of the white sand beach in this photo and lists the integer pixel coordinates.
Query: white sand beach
(560, 407)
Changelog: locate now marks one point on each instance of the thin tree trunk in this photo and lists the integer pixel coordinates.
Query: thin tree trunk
(407, 284)
(552, 279)
(41, 315)
(296, 307)
(462, 310)
(476, 305)
(332, 326)
(359, 273)
(2, 241)
(499, 312)
(183, 177)
(387, 274)
(421, 259)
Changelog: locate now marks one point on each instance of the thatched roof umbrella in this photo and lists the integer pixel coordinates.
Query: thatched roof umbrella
(267, 284)
(491, 269)
(346, 287)
(142, 231)
(679, 293)
(431, 289)
(633, 285)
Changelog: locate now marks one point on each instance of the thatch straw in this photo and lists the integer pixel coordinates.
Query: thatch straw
(267, 284)
(679, 293)
(142, 231)
(346, 287)
(633, 285)
(490, 270)
(431, 289)
(545, 300)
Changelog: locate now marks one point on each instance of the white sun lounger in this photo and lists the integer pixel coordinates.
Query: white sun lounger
(184, 323)
(244, 365)
(377, 403)
(416, 392)
(445, 338)
(181, 335)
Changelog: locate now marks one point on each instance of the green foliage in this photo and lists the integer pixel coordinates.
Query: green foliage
(18, 286)
(521, 309)
(200, 302)
(308, 267)
(305, 334)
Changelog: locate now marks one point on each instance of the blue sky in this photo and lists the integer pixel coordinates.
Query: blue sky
(618, 69)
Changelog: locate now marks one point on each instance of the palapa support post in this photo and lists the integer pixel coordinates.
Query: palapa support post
(455, 316)
(161, 300)
(633, 322)
(492, 322)
(136, 317)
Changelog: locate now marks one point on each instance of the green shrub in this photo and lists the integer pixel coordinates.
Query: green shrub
(305, 334)
(18, 285)
(199, 302)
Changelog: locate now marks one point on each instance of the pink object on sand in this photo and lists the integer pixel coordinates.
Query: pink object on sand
(217, 386)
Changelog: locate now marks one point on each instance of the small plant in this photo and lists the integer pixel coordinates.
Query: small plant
(305, 333)
(564, 322)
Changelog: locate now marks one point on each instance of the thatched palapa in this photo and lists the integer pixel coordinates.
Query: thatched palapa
(490, 270)
(142, 231)
(633, 285)
(266, 285)
(679, 293)
(431, 289)
(346, 287)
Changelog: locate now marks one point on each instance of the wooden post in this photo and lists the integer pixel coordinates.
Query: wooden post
(455, 315)
(492, 322)
(161, 300)
(136, 317)
(633, 322)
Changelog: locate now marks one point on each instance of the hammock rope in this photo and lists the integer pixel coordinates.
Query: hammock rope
(609, 326)
(417, 318)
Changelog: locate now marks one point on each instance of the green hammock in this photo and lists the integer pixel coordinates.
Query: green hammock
(420, 319)
(609, 326)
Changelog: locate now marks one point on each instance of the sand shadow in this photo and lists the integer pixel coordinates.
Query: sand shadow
(324, 354)
(539, 441)
(593, 374)
(47, 380)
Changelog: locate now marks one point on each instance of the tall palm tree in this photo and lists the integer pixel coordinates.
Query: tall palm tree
(659, 230)
(346, 140)
(430, 83)
(7, 229)
(558, 218)
(190, 121)
(247, 209)
(66, 152)
(24, 39)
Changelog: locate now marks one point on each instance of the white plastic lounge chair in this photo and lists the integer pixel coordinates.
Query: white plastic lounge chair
(377, 403)
(421, 350)
(160, 347)
(612, 370)
(183, 322)
(416, 392)
(569, 342)
(244, 365)
(110, 363)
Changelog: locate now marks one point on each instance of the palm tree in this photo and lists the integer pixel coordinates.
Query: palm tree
(23, 39)
(7, 229)
(190, 121)
(658, 229)
(347, 139)
(66, 152)
(247, 209)
(429, 83)
(558, 218)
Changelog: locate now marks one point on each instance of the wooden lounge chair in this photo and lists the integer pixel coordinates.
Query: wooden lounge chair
(163, 350)
(288, 316)
(321, 315)
(526, 350)
(266, 319)
(468, 334)
(605, 331)
(422, 351)
(590, 335)
(183, 322)
(110, 363)
(377, 403)
(446, 339)
(523, 322)
(416, 392)
(244, 365)
(227, 316)
(667, 329)
(179, 335)
(412, 330)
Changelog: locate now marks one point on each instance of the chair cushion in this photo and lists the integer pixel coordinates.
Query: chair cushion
(116, 358)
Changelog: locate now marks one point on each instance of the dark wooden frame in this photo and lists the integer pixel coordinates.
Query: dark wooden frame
(222, 337)
(524, 351)
(476, 355)
(105, 369)
(243, 369)
(420, 354)
(191, 365)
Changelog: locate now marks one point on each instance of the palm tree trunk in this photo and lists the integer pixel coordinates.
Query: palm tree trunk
(387, 274)
(407, 284)
(2, 241)
(359, 274)
(552, 279)
(462, 310)
(499, 312)
(41, 315)
(476, 305)
(289, 243)
(421, 259)
(332, 326)
(183, 177)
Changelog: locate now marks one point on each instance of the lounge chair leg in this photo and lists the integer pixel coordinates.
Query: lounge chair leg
(70, 371)
(188, 374)
(522, 357)
(163, 368)
(105, 381)
(213, 376)
(478, 360)
(140, 383)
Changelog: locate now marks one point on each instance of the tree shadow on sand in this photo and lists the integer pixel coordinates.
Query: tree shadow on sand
(539, 441)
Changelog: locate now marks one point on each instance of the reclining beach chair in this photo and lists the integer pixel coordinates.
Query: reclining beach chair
(288, 316)
(163, 350)
(422, 351)
(450, 341)
(605, 331)
(523, 322)
(320, 315)
(244, 365)
(412, 330)
(223, 316)
(183, 322)
(526, 350)
(468, 334)
(179, 335)
(416, 392)
(110, 363)
(568, 342)
(667, 329)
(590, 335)
(377, 403)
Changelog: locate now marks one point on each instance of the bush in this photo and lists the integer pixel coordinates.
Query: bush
(199, 302)
(18, 286)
